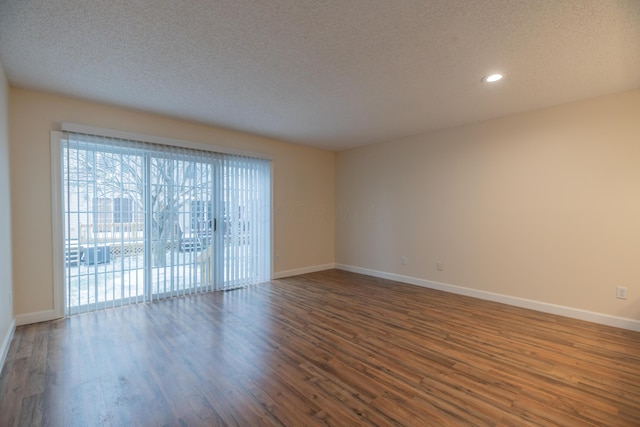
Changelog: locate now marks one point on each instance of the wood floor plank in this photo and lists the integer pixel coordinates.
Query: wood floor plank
(327, 348)
(15, 374)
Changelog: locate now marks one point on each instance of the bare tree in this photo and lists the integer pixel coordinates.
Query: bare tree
(169, 184)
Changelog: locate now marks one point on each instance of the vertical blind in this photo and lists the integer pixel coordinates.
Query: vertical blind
(145, 221)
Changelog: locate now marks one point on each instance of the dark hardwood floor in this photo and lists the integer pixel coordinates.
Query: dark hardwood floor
(329, 348)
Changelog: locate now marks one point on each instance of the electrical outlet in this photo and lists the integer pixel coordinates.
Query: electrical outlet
(403, 260)
(440, 266)
(621, 292)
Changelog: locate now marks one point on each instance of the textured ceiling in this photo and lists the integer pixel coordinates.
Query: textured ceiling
(333, 74)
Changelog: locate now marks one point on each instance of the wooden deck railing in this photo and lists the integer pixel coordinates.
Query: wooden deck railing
(110, 232)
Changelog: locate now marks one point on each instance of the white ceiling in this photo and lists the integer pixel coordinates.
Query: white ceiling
(334, 73)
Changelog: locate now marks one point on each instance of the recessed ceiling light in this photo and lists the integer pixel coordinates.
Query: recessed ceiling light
(492, 78)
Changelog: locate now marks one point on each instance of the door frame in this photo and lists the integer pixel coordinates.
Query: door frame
(58, 246)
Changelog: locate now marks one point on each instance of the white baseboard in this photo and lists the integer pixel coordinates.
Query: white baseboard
(6, 342)
(40, 316)
(575, 313)
(299, 271)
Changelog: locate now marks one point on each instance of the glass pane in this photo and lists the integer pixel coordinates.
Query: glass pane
(181, 227)
(144, 222)
(103, 240)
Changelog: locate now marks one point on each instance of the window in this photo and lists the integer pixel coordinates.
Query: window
(201, 215)
(122, 210)
(140, 221)
(111, 211)
(102, 213)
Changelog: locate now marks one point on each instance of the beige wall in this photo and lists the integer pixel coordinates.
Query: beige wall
(303, 186)
(543, 206)
(6, 311)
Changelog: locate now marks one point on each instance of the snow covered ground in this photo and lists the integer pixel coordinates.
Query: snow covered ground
(121, 281)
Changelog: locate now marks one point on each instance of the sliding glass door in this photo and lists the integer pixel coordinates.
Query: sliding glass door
(145, 221)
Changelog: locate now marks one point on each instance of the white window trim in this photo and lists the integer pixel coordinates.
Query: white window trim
(57, 225)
